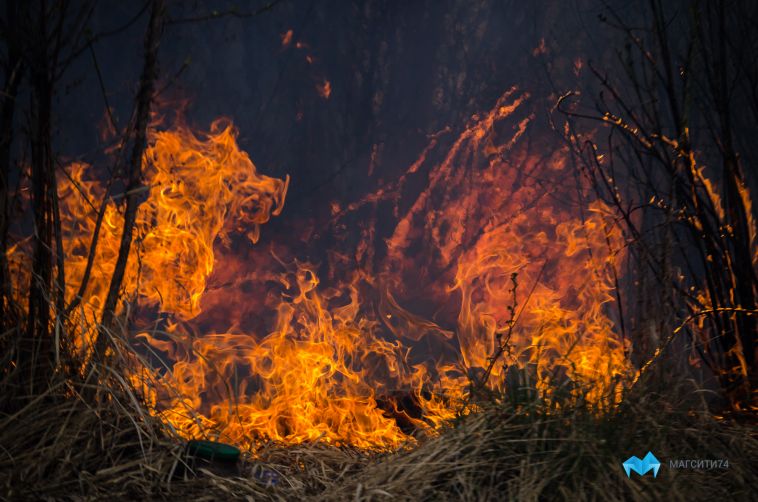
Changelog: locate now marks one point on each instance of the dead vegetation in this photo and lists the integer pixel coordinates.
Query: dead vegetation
(70, 435)
(59, 445)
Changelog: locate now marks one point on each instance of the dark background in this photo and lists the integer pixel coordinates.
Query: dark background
(399, 71)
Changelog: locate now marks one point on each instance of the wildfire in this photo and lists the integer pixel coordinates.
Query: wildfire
(488, 255)
(193, 185)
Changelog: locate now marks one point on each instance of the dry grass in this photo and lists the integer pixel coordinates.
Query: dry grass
(63, 445)
(496, 455)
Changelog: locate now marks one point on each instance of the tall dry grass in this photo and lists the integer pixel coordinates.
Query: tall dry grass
(90, 441)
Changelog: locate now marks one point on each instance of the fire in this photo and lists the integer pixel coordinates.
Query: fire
(192, 185)
(306, 380)
(489, 254)
(515, 221)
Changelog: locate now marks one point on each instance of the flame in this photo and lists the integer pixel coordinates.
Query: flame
(336, 369)
(507, 223)
(192, 185)
(306, 380)
(485, 254)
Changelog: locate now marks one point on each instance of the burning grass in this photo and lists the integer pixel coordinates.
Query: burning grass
(330, 359)
(418, 369)
(551, 408)
(65, 444)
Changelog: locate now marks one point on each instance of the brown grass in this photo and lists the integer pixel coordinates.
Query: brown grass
(61, 445)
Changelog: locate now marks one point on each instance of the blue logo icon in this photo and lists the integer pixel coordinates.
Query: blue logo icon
(642, 466)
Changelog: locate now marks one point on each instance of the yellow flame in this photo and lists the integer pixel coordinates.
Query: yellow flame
(336, 365)
(199, 189)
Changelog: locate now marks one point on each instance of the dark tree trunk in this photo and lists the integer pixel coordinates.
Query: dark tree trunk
(134, 169)
(36, 351)
(13, 71)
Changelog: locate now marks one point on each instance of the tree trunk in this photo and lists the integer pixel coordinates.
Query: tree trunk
(36, 353)
(143, 102)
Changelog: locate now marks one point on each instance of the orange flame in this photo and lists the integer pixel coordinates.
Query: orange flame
(375, 358)
(193, 184)
(328, 369)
